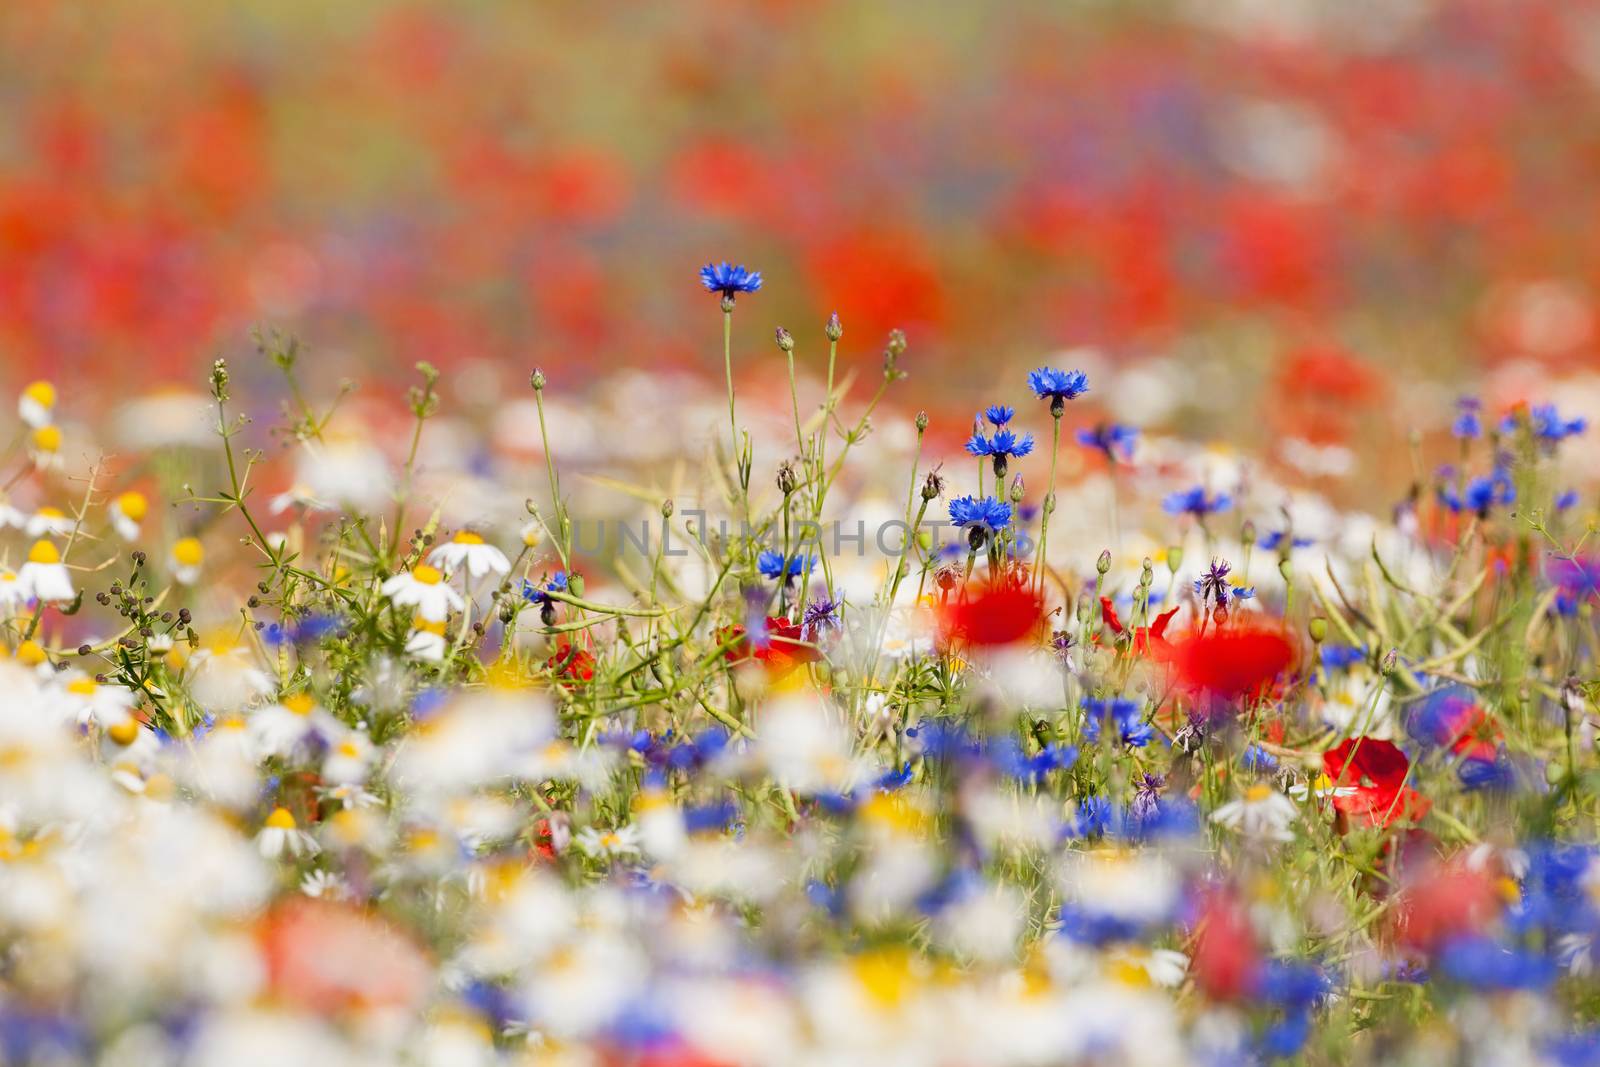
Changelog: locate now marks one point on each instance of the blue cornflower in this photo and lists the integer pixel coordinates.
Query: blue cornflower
(1213, 583)
(1058, 386)
(1468, 426)
(729, 280)
(1335, 657)
(1258, 759)
(771, 565)
(1093, 818)
(1479, 962)
(1000, 447)
(985, 516)
(1196, 502)
(540, 594)
(1548, 425)
(1126, 716)
(999, 414)
(1498, 775)
(1111, 438)
(1272, 540)
(821, 615)
(1481, 494)
(1566, 500)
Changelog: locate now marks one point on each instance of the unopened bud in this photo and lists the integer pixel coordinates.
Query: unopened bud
(785, 340)
(219, 379)
(933, 485)
(1318, 627)
(666, 509)
(786, 479)
(1174, 559)
(575, 585)
(536, 379)
(834, 329)
(1247, 534)
(1390, 659)
(1103, 564)
(1016, 489)
(921, 421)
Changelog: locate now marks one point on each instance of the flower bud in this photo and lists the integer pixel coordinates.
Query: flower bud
(921, 421)
(933, 485)
(219, 379)
(536, 379)
(834, 329)
(666, 509)
(1016, 489)
(1247, 534)
(1286, 569)
(1390, 659)
(1318, 627)
(785, 340)
(1174, 559)
(1103, 564)
(786, 479)
(575, 585)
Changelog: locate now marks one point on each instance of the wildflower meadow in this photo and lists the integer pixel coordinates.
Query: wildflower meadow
(1244, 778)
(1117, 586)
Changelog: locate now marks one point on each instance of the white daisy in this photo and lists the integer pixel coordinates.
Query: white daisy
(423, 588)
(186, 557)
(280, 837)
(349, 758)
(127, 511)
(44, 577)
(466, 550)
(1263, 814)
(426, 642)
(609, 844)
(37, 404)
(86, 700)
(49, 522)
(278, 729)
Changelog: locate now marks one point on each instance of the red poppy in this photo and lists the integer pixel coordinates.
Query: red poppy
(1234, 662)
(1226, 961)
(996, 616)
(1369, 776)
(334, 957)
(1146, 639)
(1443, 900)
(571, 664)
(1468, 730)
(783, 651)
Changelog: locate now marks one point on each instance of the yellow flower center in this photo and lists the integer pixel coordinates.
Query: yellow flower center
(424, 626)
(300, 703)
(280, 819)
(133, 505)
(82, 686)
(1258, 792)
(31, 653)
(467, 537)
(188, 552)
(425, 574)
(47, 438)
(41, 393)
(43, 552)
(50, 513)
(125, 732)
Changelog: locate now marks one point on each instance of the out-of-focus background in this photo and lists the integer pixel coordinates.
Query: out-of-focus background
(1265, 216)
